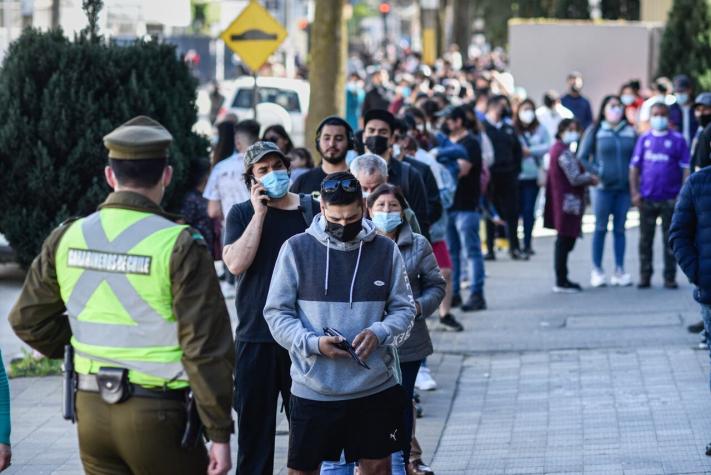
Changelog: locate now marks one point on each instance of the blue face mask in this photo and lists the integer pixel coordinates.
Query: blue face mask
(682, 98)
(406, 91)
(387, 222)
(276, 183)
(659, 122)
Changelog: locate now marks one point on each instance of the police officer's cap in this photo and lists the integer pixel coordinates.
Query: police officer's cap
(703, 99)
(140, 138)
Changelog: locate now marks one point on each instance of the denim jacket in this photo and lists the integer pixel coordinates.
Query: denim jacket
(608, 153)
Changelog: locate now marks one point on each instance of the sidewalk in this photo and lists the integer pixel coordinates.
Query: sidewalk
(604, 382)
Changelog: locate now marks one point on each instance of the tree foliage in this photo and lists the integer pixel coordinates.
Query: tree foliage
(59, 99)
(686, 43)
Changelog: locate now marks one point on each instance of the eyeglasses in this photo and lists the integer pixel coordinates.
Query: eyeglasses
(349, 185)
(273, 138)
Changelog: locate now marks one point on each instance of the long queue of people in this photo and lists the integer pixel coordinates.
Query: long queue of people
(310, 245)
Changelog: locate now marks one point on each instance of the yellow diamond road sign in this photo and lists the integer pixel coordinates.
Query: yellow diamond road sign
(254, 35)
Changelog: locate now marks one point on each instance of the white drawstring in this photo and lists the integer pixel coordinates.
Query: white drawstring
(355, 273)
(328, 257)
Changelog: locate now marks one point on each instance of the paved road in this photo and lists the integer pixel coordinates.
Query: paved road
(604, 382)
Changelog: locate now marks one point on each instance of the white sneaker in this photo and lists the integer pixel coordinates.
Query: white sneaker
(597, 278)
(228, 290)
(621, 279)
(424, 381)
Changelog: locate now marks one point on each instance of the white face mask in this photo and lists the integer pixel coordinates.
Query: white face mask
(396, 150)
(527, 116)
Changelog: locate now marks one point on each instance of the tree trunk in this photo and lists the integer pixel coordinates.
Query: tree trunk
(327, 65)
(462, 27)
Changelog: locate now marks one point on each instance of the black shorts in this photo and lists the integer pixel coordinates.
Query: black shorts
(365, 428)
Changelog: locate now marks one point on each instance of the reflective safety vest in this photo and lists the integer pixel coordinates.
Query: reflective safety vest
(113, 270)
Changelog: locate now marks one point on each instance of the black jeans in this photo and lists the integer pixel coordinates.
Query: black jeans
(504, 197)
(563, 246)
(261, 374)
(649, 211)
(409, 374)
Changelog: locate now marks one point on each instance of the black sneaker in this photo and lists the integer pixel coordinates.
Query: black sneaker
(697, 327)
(456, 301)
(419, 411)
(567, 287)
(644, 283)
(475, 302)
(671, 284)
(490, 256)
(529, 252)
(708, 450)
(449, 323)
(517, 255)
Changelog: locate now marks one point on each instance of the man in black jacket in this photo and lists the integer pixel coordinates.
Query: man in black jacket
(690, 239)
(434, 203)
(503, 187)
(378, 137)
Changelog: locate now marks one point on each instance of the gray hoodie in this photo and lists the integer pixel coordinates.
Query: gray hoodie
(322, 282)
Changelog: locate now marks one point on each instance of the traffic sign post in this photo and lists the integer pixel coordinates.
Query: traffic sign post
(254, 36)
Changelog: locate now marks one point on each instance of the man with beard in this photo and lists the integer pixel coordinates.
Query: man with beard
(334, 137)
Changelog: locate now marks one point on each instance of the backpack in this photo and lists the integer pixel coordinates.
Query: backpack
(309, 208)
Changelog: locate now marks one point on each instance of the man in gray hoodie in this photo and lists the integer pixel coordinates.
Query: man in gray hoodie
(340, 274)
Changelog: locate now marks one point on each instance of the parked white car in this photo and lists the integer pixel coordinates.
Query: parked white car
(280, 101)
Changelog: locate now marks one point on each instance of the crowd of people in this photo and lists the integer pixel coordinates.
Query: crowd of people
(447, 165)
(340, 267)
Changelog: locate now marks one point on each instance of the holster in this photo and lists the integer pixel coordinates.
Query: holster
(193, 425)
(114, 387)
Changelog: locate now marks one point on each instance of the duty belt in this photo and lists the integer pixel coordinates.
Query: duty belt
(88, 383)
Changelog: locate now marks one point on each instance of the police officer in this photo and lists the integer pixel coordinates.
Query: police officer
(137, 296)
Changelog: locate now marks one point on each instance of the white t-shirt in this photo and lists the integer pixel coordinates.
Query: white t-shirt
(226, 183)
(551, 118)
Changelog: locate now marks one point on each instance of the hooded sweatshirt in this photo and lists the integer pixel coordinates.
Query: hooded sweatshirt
(321, 282)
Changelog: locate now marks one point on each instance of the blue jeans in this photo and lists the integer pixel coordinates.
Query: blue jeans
(409, 374)
(528, 195)
(606, 203)
(463, 232)
(706, 316)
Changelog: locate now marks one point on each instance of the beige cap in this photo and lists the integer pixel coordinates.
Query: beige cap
(140, 138)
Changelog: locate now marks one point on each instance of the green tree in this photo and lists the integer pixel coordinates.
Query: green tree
(60, 98)
(686, 43)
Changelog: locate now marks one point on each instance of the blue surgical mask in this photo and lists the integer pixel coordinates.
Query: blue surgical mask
(570, 136)
(276, 183)
(406, 91)
(659, 122)
(627, 99)
(682, 98)
(387, 222)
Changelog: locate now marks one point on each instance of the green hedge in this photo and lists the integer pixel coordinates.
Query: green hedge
(60, 97)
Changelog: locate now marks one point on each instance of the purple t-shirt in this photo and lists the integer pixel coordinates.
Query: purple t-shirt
(661, 159)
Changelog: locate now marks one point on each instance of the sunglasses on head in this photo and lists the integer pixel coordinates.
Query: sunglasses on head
(273, 138)
(349, 185)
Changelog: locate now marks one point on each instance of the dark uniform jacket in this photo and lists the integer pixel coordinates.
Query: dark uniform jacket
(204, 330)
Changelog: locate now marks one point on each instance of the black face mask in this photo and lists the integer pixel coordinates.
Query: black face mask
(343, 233)
(704, 120)
(377, 144)
(444, 129)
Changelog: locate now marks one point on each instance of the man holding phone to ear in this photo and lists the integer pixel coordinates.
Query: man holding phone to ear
(255, 231)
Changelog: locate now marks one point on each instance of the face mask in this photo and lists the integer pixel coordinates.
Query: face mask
(396, 150)
(276, 183)
(569, 137)
(406, 91)
(659, 122)
(613, 114)
(387, 222)
(366, 194)
(420, 127)
(627, 99)
(343, 233)
(704, 120)
(376, 144)
(527, 116)
(682, 98)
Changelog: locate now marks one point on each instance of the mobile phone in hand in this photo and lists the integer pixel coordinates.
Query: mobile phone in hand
(345, 345)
